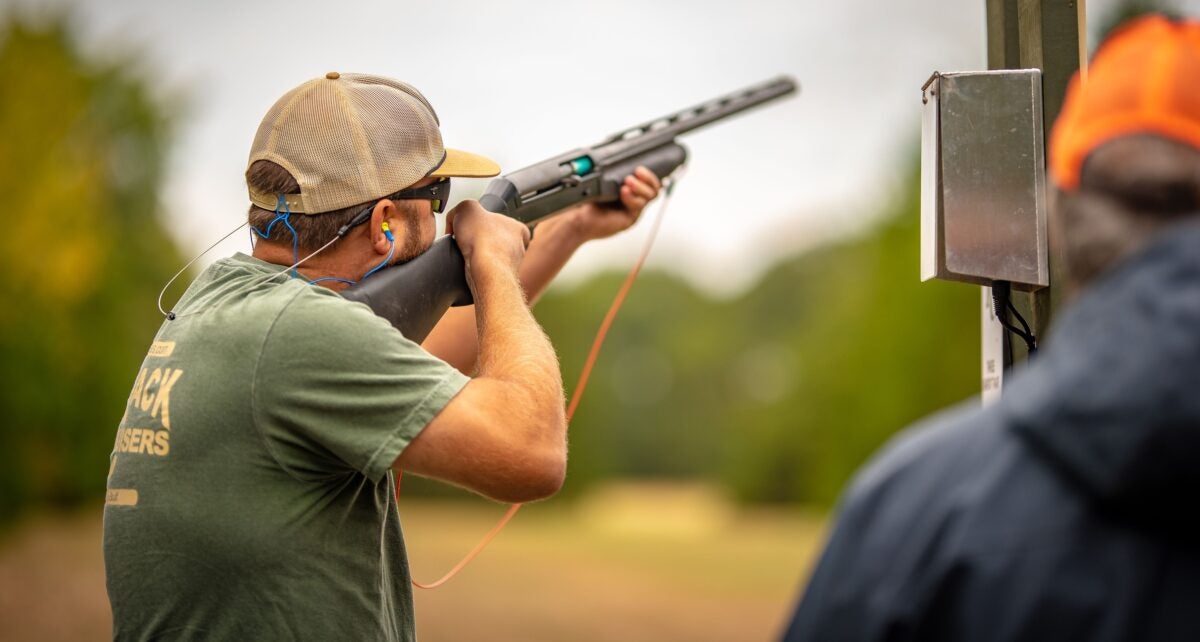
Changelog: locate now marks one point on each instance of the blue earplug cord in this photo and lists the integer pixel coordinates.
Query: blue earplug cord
(283, 212)
(387, 231)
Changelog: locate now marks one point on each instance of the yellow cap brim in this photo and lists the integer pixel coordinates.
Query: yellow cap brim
(466, 165)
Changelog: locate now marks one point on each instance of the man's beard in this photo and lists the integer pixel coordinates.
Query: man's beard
(414, 242)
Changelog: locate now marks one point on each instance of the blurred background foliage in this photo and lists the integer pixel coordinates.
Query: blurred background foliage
(82, 259)
(773, 396)
(777, 394)
(780, 393)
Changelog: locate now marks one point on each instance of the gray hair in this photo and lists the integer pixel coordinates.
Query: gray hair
(1130, 189)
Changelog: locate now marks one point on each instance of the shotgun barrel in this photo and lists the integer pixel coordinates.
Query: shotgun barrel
(413, 296)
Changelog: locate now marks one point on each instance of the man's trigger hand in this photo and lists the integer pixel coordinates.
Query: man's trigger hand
(487, 236)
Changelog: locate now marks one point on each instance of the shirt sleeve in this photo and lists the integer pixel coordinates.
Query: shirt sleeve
(338, 389)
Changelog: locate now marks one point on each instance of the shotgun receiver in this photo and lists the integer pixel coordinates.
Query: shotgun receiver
(414, 296)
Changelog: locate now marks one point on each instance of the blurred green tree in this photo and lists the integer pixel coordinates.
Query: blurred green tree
(781, 393)
(80, 263)
(868, 349)
(1126, 10)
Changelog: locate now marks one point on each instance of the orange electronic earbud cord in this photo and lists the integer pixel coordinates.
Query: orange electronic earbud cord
(668, 185)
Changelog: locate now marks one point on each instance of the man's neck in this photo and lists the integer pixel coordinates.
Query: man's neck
(326, 265)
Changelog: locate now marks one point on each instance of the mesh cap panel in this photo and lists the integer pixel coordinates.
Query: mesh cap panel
(350, 139)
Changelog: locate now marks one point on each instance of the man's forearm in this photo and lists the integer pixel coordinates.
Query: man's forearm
(514, 350)
(504, 433)
(554, 244)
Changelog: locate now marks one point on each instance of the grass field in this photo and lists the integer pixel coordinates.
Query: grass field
(632, 562)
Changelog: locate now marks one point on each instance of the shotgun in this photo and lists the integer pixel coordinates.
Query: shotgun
(414, 295)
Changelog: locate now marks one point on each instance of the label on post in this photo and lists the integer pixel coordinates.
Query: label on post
(992, 343)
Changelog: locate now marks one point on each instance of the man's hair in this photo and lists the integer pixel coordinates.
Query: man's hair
(1130, 189)
(312, 230)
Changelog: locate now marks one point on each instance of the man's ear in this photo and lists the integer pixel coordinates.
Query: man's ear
(385, 210)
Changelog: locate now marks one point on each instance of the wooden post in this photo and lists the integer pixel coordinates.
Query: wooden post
(1042, 34)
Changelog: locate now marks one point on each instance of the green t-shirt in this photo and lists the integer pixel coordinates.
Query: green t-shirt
(250, 492)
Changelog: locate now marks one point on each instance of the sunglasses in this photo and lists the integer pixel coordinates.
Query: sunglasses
(438, 194)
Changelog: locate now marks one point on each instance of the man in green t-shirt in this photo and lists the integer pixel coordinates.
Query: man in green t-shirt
(250, 489)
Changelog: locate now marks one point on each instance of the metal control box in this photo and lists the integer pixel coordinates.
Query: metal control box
(983, 179)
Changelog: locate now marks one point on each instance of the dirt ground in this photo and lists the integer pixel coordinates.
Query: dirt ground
(632, 563)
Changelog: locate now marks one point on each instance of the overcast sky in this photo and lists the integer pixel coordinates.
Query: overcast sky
(521, 80)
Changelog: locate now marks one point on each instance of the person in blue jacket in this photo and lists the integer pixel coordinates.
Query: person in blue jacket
(1069, 509)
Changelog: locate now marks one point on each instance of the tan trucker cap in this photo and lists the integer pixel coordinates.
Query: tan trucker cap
(353, 138)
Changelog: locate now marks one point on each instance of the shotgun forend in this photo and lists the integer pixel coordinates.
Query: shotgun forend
(414, 296)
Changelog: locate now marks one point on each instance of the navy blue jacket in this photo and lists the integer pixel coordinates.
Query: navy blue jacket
(1068, 510)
